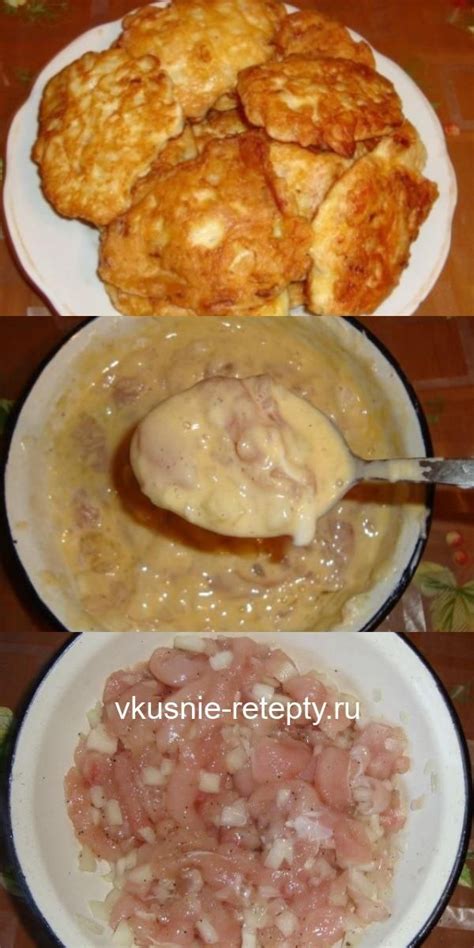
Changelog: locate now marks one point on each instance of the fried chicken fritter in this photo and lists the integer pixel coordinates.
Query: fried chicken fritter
(301, 178)
(308, 33)
(405, 147)
(220, 125)
(329, 103)
(363, 230)
(103, 120)
(209, 236)
(202, 44)
(182, 148)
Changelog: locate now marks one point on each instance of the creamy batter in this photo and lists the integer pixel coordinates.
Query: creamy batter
(134, 566)
(245, 458)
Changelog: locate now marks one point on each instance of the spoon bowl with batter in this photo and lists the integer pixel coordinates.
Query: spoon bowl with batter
(249, 458)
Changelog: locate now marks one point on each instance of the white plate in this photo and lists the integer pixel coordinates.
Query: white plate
(60, 256)
(26, 488)
(435, 837)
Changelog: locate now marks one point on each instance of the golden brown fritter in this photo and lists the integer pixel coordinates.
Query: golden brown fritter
(329, 103)
(182, 148)
(208, 237)
(220, 125)
(202, 44)
(229, 100)
(301, 178)
(308, 33)
(405, 147)
(103, 121)
(363, 230)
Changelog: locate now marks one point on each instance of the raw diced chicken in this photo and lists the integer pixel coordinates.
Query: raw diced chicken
(235, 832)
(332, 777)
(279, 759)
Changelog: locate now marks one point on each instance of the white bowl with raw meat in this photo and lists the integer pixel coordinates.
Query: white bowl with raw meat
(395, 685)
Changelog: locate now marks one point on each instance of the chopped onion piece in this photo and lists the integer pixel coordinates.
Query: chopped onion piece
(249, 939)
(280, 851)
(141, 875)
(268, 892)
(190, 643)
(111, 900)
(286, 923)
(95, 816)
(101, 741)
(99, 911)
(87, 860)
(148, 834)
(359, 883)
(113, 813)
(256, 917)
(208, 782)
(94, 715)
(221, 660)
(308, 827)
(123, 935)
(282, 797)
(260, 690)
(235, 814)
(235, 759)
(153, 777)
(126, 862)
(97, 796)
(285, 671)
(207, 931)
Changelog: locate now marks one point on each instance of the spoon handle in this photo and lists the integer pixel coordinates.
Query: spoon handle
(458, 472)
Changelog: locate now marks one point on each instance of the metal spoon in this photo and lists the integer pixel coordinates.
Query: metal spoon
(458, 472)
(248, 458)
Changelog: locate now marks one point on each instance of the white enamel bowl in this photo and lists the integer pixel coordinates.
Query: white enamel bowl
(382, 669)
(60, 256)
(25, 486)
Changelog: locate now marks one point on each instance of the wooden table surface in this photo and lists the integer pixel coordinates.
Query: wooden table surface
(430, 39)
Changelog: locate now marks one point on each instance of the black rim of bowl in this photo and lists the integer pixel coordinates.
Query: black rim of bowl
(397, 592)
(463, 844)
(420, 545)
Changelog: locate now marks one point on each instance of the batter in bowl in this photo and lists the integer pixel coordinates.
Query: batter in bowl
(133, 566)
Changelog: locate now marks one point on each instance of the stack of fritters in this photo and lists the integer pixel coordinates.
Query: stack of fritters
(238, 160)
